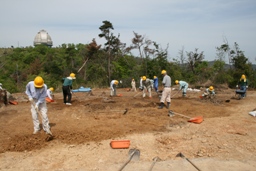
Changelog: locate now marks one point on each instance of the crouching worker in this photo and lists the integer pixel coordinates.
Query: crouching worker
(37, 91)
(183, 87)
(50, 95)
(209, 92)
(113, 85)
(147, 86)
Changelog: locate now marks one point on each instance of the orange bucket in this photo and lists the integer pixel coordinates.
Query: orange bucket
(48, 99)
(120, 143)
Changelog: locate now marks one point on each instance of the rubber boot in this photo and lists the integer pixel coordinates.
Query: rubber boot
(161, 106)
(168, 105)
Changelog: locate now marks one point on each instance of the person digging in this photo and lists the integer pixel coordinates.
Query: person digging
(166, 94)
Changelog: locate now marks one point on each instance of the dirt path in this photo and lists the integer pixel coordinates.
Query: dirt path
(225, 140)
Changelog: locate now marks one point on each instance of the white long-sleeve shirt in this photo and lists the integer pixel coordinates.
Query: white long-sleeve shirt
(38, 94)
(49, 93)
(112, 84)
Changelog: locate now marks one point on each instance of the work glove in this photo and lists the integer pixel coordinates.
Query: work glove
(246, 86)
(30, 99)
(236, 86)
(36, 107)
(182, 87)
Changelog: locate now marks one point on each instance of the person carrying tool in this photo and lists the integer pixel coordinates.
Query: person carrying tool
(183, 87)
(133, 84)
(156, 83)
(243, 85)
(166, 94)
(67, 88)
(50, 93)
(209, 92)
(37, 91)
(113, 85)
(147, 86)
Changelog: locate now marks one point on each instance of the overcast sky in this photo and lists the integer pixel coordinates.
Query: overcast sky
(191, 24)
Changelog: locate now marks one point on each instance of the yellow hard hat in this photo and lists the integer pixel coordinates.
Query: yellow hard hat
(73, 76)
(133, 79)
(177, 81)
(38, 82)
(155, 77)
(144, 78)
(52, 89)
(163, 72)
(116, 81)
(243, 76)
(211, 88)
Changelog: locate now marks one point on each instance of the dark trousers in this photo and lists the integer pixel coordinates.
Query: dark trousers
(66, 92)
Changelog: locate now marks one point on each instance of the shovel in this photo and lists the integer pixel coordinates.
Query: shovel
(156, 159)
(133, 154)
(197, 119)
(182, 156)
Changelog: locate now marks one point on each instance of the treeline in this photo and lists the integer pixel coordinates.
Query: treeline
(96, 65)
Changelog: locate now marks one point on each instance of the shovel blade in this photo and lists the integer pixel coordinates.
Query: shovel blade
(198, 119)
(134, 154)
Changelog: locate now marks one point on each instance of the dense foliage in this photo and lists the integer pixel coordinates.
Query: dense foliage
(96, 65)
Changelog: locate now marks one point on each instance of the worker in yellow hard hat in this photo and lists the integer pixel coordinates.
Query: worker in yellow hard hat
(113, 85)
(243, 85)
(37, 91)
(209, 92)
(147, 86)
(183, 87)
(50, 93)
(67, 88)
(156, 83)
(166, 94)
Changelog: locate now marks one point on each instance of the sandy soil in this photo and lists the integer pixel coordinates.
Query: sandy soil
(225, 140)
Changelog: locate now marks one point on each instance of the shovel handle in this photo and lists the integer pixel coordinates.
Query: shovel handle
(193, 164)
(130, 158)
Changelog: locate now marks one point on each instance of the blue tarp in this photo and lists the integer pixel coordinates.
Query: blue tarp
(82, 89)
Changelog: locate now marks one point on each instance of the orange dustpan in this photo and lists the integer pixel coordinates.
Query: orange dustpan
(197, 119)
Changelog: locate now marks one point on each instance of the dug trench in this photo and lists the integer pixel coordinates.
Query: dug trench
(97, 117)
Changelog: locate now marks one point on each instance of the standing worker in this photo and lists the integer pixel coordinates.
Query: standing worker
(166, 94)
(50, 93)
(243, 84)
(133, 84)
(156, 83)
(183, 87)
(67, 88)
(147, 86)
(113, 85)
(37, 91)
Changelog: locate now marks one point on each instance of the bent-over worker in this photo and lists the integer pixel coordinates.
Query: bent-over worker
(183, 87)
(36, 92)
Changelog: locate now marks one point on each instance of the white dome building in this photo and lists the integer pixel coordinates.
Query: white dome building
(43, 38)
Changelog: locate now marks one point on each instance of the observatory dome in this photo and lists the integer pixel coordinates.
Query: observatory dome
(42, 37)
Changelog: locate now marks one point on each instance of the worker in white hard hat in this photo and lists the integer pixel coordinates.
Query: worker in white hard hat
(133, 84)
(183, 87)
(37, 91)
(113, 85)
(147, 86)
(166, 94)
(67, 88)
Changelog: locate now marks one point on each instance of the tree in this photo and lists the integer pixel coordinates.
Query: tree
(112, 45)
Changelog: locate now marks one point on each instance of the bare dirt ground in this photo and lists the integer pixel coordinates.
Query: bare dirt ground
(225, 140)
